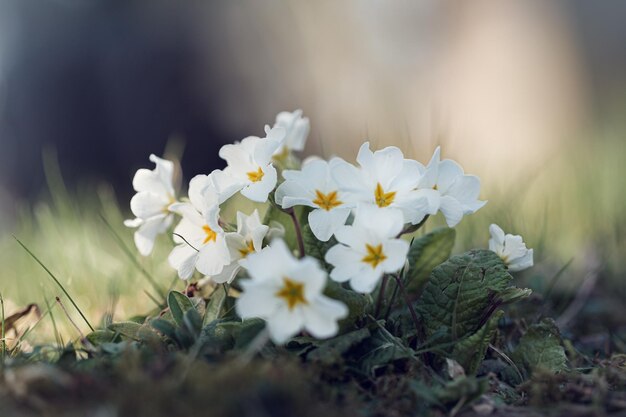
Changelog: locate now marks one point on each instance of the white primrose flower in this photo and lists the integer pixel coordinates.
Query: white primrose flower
(314, 187)
(368, 248)
(511, 248)
(250, 166)
(246, 240)
(201, 242)
(385, 180)
(287, 293)
(155, 194)
(449, 190)
(297, 130)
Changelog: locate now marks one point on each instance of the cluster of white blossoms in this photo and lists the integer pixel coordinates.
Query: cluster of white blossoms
(367, 208)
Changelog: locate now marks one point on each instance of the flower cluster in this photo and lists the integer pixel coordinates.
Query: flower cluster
(363, 212)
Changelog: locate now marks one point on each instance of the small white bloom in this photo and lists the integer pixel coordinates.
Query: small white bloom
(287, 293)
(250, 166)
(200, 239)
(385, 180)
(246, 240)
(368, 248)
(511, 248)
(448, 189)
(297, 130)
(155, 194)
(314, 187)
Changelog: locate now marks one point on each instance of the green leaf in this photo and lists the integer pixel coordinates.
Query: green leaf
(358, 304)
(426, 253)
(314, 247)
(247, 332)
(513, 294)
(331, 351)
(99, 337)
(462, 293)
(135, 331)
(215, 305)
(382, 349)
(219, 335)
(192, 322)
(166, 328)
(129, 329)
(178, 303)
(275, 214)
(470, 352)
(541, 348)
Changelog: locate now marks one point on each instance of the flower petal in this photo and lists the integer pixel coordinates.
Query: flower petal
(258, 191)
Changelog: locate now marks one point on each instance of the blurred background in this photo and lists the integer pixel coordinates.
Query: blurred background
(528, 95)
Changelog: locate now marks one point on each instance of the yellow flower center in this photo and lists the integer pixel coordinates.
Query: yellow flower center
(374, 255)
(248, 249)
(327, 201)
(383, 199)
(255, 176)
(210, 234)
(292, 292)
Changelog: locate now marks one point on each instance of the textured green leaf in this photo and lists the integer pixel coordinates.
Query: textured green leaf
(541, 347)
(382, 349)
(192, 322)
(99, 337)
(165, 327)
(358, 304)
(178, 303)
(426, 253)
(129, 329)
(135, 331)
(314, 247)
(462, 293)
(470, 352)
(215, 305)
(331, 351)
(247, 332)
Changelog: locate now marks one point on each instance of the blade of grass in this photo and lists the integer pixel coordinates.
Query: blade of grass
(133, 259)
(4, 345)
(69, 297)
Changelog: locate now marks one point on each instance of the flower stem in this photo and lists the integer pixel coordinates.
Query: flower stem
(413, 227)
(292, 213)
(416, 322)
(381, 295)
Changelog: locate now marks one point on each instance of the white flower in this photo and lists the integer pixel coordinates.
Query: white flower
(368, 248)
(246, 240)
(200, 239)
(449, 190)
(511, 248)
(314, 187)
(287, 293)
(385, 180)
(249, 165)
(297, 130)
(155, 194)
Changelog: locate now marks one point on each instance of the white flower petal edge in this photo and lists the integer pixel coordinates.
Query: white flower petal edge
(155, 194)
(201, 241)
(246, 240)
(448, 189)
(384, 179)
(287, 293)
(368, 248)
(250, 168)
(297, 130)
(313, 186)
(511, 248)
